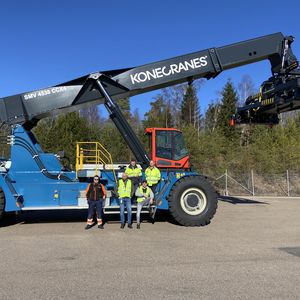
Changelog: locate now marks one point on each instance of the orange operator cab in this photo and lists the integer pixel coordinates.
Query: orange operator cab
(167, 148)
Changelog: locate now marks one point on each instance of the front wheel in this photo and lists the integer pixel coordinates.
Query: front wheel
(192, 201)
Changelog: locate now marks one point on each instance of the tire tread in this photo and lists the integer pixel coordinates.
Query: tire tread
(175, 210)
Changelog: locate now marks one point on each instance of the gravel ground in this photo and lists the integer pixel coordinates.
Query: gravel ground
(251, 250)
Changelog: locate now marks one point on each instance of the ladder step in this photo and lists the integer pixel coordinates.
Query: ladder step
(116, 209)
(132, 206)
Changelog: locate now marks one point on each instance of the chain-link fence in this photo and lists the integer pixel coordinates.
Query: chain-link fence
(286, 184)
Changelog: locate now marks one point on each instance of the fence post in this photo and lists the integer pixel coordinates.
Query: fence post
(288, 182)
(226, 183)
(252, 179)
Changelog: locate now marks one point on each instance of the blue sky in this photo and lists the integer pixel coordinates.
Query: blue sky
(43, 43)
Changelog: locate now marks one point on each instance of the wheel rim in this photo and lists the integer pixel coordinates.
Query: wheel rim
(193, 201)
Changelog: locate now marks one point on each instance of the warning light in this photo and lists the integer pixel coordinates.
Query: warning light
(232, 122)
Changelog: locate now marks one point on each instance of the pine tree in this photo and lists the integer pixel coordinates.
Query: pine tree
(159, 114)
(228, 104)
(190, 110)
(124, 105)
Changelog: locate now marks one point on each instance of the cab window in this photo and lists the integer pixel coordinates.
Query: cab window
(170, 145)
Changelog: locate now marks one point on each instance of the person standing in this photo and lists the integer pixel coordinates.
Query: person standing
(134, 173)
(144, 197)
(153, 176)
(125, 191)
(95, 193)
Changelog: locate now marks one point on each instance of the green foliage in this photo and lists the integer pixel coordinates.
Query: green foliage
(124, 105)
(213, 147)
(211, 117)
(229, 100)
(63, 132)
(190, 111)
(159, 114)
(4, 147)
(110, 137)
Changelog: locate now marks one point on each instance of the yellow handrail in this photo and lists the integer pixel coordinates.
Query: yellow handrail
(92, 153)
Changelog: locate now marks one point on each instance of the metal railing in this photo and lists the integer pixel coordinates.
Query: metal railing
(95, 154)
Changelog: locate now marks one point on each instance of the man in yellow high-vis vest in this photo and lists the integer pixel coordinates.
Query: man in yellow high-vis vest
(134, 173)
(125, 191)
(144, 197)
(153, 176)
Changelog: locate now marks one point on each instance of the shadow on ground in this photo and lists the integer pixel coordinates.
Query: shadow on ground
(236, 200)
(291, 250)
(66, 216)
(78, 215)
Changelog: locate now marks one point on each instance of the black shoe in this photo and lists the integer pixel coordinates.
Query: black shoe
(130, 226)
(122, 226)
(88, 227)
(100, 226)
(138, 226)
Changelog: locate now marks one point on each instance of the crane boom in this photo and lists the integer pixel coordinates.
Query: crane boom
(32, 106)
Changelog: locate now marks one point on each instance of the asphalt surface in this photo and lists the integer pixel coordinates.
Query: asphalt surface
(251, 250)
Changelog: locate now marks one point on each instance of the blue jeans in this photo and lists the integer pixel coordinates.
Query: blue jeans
(125, 202)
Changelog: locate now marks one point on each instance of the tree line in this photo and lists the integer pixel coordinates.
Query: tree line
(214, 146)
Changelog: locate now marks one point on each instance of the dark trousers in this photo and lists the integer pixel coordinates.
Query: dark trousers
(95, 204)
(134, 197)
(153, 188)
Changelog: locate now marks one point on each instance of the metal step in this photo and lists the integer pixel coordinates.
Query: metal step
(108, 210)
(116, 209)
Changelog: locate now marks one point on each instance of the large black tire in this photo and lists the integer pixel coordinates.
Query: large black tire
(2, 203)
(192, 201)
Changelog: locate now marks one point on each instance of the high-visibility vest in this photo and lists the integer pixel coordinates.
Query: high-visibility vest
(152, 176)
(141, 199)
(133, 172)
(124, 190)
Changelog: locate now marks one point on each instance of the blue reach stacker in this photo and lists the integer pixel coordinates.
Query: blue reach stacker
(31, 179)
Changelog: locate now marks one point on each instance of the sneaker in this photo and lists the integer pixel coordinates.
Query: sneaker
(122, 226)
(130, 226)
(100, 226)
(88, 227)
(138, 226)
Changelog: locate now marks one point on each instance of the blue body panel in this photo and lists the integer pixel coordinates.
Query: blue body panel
(35, 179)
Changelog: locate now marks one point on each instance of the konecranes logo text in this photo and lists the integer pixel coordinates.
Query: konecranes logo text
(172, 69)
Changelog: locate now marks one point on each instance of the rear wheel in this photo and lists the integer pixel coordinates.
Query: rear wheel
(192, 201)
(2, 203)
